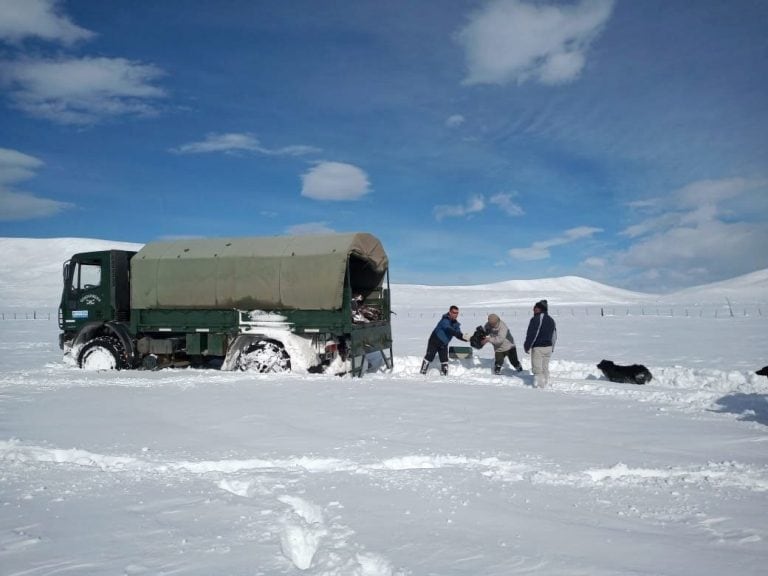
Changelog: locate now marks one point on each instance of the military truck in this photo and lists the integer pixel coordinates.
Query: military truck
(267, 304)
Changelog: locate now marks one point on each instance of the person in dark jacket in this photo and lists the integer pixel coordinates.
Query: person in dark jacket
(448, 327)
(540, 342)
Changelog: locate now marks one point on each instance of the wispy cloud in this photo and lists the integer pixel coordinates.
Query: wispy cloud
(504, 201)
(335, 181)
(16, 166)
(20, 19)
(541, 250)
(16, 205)
(707, 230)
(477, 203)
(309, 228)
(515, 41)
(455, 121)
(240, 142)
(81, 90)
(473, 205)
(595, 262)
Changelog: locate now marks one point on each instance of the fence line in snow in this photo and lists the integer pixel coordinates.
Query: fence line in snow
(25, 315)
(608, 311)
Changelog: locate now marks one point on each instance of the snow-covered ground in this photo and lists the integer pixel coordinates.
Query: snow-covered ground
(204, 472)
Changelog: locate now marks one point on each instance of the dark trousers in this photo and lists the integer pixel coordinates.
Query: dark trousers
(435, 346)
(511, 354)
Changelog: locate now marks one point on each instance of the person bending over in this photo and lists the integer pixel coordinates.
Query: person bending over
(503, 344)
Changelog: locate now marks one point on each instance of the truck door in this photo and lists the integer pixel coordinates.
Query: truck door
(87, 291)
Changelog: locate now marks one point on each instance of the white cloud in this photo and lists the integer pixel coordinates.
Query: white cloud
(81, 91)
(309, 228)
(708, 229)
(711, 246)
(650, 225)
(715, 191)
(14, 205)
(455, 121)
(700, 202)
(16, 166)
(20, 19)
(515, 41)
(240, 142)
(595, 262)
(23, 206)
(504, 201)
(474, 204)
(540, 250)
(334, 181)
(530, 253)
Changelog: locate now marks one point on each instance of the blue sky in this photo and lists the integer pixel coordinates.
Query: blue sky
(622, 141)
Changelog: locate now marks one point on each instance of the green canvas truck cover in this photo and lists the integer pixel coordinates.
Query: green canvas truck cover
(256, 273)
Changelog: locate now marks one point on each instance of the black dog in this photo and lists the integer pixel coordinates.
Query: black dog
(476, 340)
(762, 372)
(634, 374)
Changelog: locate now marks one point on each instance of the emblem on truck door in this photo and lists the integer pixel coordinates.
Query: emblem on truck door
(90, 299)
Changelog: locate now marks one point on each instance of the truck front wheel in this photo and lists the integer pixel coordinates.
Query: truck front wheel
(264, 356)
(102, 353)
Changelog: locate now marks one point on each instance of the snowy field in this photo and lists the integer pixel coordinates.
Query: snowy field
(200, 472)
(203, 472)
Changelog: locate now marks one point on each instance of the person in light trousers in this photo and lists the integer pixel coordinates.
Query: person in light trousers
(540, 342)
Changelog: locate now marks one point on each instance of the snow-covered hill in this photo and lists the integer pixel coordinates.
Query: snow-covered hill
(750, 288)
(566, 290)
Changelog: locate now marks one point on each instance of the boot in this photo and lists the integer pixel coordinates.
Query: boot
(424, 366)
(497, 369)
(444, 368)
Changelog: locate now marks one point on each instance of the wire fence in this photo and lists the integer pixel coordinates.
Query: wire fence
(25, 315)
(608, 311)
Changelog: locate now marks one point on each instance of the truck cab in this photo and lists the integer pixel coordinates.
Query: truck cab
(96, 290)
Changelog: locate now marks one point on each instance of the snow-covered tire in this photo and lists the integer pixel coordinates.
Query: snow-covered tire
(265, 357)
(102, 353)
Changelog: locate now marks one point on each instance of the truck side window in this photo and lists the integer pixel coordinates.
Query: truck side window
(87, 276)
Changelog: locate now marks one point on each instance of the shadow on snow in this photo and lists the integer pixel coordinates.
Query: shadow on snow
(750, 407)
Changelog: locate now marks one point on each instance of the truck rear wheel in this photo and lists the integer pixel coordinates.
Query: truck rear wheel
(102, 353)
(265, 357)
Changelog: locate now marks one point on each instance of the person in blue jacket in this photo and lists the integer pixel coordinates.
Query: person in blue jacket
(540, 342)
(447, 328)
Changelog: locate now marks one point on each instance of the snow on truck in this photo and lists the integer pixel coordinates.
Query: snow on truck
(269, 304)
